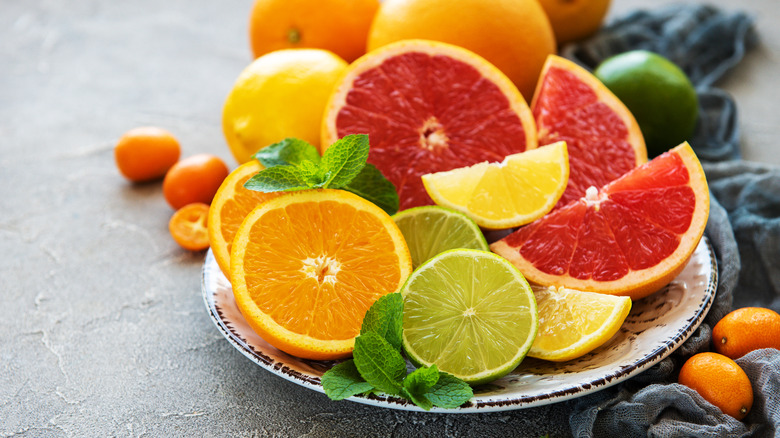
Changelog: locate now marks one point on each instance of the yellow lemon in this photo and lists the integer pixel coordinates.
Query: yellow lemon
(281, 94)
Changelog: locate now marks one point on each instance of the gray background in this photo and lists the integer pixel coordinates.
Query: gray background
(103, 331)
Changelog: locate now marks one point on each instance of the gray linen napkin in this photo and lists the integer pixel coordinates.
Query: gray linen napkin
(744, 229)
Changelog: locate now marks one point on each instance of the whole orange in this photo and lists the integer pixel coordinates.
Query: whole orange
(745, 330)
(720, 381)
(340, 26)
(575, 19)
(514, 35)
(146, 153)
(194, 179)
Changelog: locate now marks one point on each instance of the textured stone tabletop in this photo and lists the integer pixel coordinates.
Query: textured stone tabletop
(103, 330)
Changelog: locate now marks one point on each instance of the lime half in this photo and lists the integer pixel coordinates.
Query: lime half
(469, 312)
(430, 230)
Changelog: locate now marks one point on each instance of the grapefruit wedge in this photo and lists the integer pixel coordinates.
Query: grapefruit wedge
(428, 107)
(630, 238)
(602, 136)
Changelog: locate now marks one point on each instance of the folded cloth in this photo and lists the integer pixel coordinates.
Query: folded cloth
(744, 229)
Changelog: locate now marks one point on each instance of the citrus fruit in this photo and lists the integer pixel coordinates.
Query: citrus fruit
(574, 19)
(230, 206)
(720, 381)
(573, 323)
(745, 330)
(306, 266)
(631, 237)
(513, 35)
(658, 94)
(281, 94)
(340, 26)
(430, 230)
(428, 107)
(518, 190)
(194, 179)
(189, 226)
(146, 153)
(602, 137)
(469, 312)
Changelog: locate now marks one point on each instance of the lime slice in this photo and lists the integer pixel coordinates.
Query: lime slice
(573, 323)
(469, 312)
(430, 230)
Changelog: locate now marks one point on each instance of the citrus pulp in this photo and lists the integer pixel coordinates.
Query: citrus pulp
(306, 266)
(430, 230)
(602, 137)
(428, 107)
(518, 190)
(469, 312)
(631, 237)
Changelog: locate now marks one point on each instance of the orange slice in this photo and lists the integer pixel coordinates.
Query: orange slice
(603, 138)
(630, 238)
(306, 266)
(428, 107)
(230, 206)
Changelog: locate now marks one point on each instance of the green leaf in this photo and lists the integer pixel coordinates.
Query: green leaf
(277, 179)
(419, 399)
(343, 381)
(371, 185)
(312, 174)
(385, 318)
(379, 363)
(422, 379)
(344, 159)
(449, 392)
(288, 151)
(418, 383)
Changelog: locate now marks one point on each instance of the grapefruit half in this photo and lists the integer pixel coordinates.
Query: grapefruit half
(630, 238)
(602, 136)
(428, 107)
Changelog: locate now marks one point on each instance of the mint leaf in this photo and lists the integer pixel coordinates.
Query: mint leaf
(344, 159)
(449, 392)
(371, 185)
(312, 174)
(418, 383)
(385, 318)
(379, 362)
(288, 151)
(343, 381)
(277, 179)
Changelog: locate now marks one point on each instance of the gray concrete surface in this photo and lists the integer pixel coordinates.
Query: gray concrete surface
(103, 331)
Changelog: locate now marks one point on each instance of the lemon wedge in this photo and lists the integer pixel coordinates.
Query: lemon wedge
(573, 323)
(514, 192)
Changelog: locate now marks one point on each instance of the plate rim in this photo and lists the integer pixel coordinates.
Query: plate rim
(500, 404)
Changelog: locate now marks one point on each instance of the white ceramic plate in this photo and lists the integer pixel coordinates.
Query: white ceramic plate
(655, 327)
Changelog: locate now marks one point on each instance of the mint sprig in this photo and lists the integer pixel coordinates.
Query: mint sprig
(293, 164)
(378, 365)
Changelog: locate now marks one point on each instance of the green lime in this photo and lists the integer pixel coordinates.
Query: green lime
(658, 94)
(431, 229)
(470, 312)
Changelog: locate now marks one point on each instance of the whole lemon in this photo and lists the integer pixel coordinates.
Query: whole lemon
(513, 35)
(281, 94)
(658, 94)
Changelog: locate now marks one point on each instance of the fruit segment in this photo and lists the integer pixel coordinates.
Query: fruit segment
(630, 238)
(603, 138)
(518, 190)
(573, 323)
